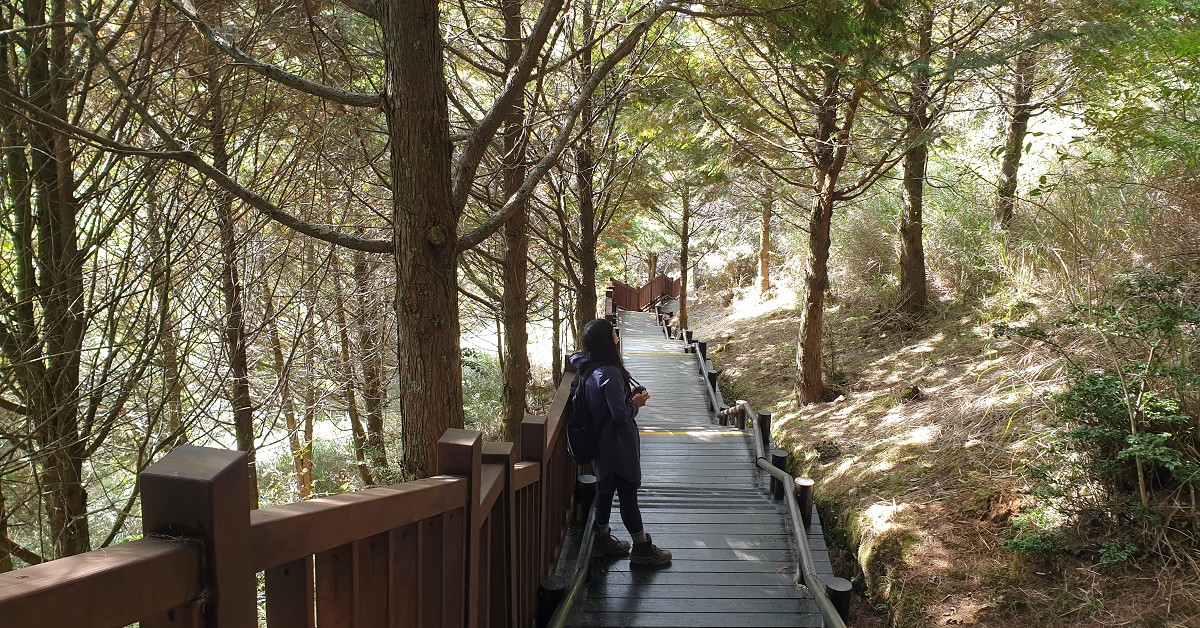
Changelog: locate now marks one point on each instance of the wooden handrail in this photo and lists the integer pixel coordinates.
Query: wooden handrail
(463, 549)
(150, 577)
(282, 534)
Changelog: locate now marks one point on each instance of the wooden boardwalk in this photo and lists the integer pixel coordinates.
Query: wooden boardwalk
(703, 499)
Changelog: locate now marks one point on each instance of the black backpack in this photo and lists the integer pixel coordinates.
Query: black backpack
(583, 429)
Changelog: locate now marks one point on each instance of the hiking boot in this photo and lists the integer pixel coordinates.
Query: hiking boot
(649, 554)
(608, 545)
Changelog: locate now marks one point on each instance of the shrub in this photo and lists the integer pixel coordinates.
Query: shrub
(1128, 452)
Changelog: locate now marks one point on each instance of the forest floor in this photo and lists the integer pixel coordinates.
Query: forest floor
(919, 466)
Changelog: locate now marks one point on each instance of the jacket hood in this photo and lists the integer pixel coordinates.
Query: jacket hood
(580, 360)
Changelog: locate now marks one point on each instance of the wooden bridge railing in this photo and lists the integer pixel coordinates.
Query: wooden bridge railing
(627, 297)
(466, 548)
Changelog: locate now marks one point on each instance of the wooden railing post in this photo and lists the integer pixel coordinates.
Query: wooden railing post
(502, 575)
(533, 448)
(763, 427)
(201, 493)
(460, 453)
(803, 490)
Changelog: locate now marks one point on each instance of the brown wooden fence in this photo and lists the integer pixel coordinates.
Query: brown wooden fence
(466, 548)
(627, 297)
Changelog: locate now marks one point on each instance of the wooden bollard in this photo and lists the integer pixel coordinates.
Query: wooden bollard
(839, 591)
(779, 459)
(550, 594)
(740, 419)
(803, 490)
(763, 426)
(687, 336)
(712, 376)
(702, 348)
(585, 495)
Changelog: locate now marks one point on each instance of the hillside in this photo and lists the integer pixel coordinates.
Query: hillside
(921, 467)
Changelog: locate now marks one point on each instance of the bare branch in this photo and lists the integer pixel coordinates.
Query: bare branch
(194, 160)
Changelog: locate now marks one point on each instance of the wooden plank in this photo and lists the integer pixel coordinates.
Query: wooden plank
(371, 558)
(657, 515)
(335, 587)
(456, 572)
(749, 606)
(404, 599)
(712, 566)
(291, 595)
(150, 576)
(430, 580)
(651, 576)
(733, 589)
(286, 533)
(705, 620)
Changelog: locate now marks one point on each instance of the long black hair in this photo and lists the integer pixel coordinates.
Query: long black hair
(598, 342)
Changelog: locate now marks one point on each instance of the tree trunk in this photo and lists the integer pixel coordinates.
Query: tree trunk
(556, 350)
(651, 267)
(516, 239)
(370, 356)
(764, 244)
(6, 563)
(283, 384)
(305, 462)
(810, 383)
(914, 295)
(685, 237)
(585, 167)
(168, 341)
(356, 428)
(231, 286)
(425, 224)
(1014, 144)
(55, 399)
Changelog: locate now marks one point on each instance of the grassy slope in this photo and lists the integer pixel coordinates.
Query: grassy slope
(922, 492)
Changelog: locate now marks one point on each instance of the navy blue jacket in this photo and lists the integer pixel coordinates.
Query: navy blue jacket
(608, 397)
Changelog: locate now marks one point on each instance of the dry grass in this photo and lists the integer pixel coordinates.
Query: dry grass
(923, 492)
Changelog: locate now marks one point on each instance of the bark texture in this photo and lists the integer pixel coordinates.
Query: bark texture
(425, 224)
(1020, 112)
(516, 245)
(914, 294)
(832, 140)
(764, 244)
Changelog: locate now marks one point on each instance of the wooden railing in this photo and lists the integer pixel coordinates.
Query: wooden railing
(627, 297)
(466, 548)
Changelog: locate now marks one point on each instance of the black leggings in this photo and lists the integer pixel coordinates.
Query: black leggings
(631, 515)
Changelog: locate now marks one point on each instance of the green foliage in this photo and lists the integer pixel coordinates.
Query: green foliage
(1127, 450)
(482, 404)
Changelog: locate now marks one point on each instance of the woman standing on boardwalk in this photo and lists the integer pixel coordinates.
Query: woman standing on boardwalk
(618, 464)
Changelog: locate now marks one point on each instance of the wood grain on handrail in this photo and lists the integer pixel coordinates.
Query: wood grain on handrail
(286, 533)
(148, 576)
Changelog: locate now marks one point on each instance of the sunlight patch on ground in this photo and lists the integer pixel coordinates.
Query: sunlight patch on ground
(922, 435)
(882, 515)
(752, 306)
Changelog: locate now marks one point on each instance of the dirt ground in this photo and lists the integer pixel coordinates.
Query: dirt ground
(919, 466)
